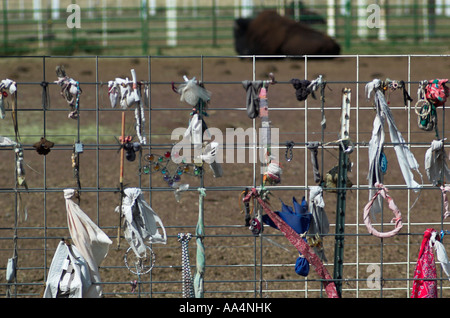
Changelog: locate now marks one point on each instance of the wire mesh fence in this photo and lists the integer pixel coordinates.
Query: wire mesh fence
(238, 263)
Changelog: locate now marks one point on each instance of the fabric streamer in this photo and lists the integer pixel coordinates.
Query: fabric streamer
(319, 221)
(313, 146)
(69, 275)
(140, 222)
(398, 216)
(92, 243)
(200, 233)
(405, 157)
(436, 163)
(252, 89)
(445, 189)
(296, 240)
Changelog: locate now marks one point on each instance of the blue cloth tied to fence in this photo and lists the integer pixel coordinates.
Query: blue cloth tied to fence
(299, 219)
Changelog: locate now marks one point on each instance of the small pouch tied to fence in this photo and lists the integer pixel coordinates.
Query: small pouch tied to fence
(392, 206)
(141, 222)
(92, 243)
(68, 276)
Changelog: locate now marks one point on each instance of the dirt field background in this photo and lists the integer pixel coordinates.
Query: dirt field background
(232, 252)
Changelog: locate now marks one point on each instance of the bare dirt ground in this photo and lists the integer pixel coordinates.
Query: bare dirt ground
(231, 249)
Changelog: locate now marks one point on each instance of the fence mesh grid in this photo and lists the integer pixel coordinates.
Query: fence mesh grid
(238, 263)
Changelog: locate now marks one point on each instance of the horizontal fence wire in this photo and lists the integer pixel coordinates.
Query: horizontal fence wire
(238, 263)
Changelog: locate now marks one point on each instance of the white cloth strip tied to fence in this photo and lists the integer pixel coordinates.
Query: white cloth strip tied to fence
(92, 243)
(436, 163)
(68, 276)
(319, 223)
(140, 222)
(405, 157)
(392, 206)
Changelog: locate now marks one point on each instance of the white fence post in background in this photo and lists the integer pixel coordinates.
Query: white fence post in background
(247, 8)
(362, 19)
(37, 15)
(104, 24)
(55, 9)
(382, 33)
(171, 22)
(331, 13)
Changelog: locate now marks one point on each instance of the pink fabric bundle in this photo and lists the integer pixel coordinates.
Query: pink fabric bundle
(398, 216)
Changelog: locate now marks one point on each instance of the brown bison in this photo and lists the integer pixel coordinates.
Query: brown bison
(271, 34)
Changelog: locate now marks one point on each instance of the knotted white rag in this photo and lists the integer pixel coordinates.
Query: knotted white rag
(92, 243)
(191, 92)
(405, 157)
(441, 254)
(319, 223)
(140, 222)
(436, 163)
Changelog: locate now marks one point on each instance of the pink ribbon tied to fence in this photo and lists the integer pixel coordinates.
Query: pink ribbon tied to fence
(299, 243)
(397, 219)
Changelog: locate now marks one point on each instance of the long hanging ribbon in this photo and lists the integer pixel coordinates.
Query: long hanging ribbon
(199, 233)
(299, 243)
(405, 157)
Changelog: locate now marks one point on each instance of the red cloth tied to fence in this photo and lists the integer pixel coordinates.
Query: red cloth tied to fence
(425, 285)
(299, 243)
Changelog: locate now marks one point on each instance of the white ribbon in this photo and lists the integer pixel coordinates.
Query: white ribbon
(319, 223)
(405, 157)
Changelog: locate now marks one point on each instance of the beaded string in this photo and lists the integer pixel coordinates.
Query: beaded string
(188, 287)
